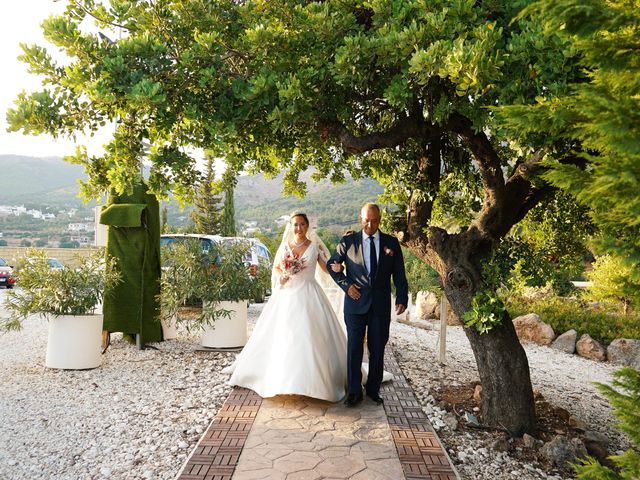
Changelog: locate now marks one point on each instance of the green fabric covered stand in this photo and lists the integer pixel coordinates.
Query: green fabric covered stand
(133, 238)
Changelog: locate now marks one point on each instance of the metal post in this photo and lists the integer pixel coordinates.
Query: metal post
(443, 329)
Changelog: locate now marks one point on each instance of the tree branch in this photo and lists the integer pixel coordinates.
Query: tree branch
(102, 20)
(403, 130)
(519, 197)
(527, 167)
(428, 175)
(484, 153)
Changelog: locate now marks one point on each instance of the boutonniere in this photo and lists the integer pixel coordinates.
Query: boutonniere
(388, 251)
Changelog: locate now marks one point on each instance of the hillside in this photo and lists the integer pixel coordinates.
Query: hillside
(330, 205)
(48, 180)
(52, 181)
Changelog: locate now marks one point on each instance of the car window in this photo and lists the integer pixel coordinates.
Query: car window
(264, 253)
(164, 241)
(206, 244)
(54, 263)
(3, 263)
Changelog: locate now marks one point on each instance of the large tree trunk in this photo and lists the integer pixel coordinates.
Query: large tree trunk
(507, 400)
(507, 395)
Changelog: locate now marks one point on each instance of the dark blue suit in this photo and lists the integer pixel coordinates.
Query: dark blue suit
(372, 311)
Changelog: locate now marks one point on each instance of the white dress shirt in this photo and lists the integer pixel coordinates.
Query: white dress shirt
(366, 246)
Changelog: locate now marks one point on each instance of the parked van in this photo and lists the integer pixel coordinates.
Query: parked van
(206, 241)
(257, 254)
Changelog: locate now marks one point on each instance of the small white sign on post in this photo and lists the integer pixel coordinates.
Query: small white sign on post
(443, 329)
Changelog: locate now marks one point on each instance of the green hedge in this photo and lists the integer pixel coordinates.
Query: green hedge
(565, 314)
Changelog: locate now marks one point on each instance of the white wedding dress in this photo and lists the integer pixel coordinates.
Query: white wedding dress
(298, 345)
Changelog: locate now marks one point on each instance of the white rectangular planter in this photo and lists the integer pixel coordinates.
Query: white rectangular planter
(74, 342)
(227, 332)
(169, 328)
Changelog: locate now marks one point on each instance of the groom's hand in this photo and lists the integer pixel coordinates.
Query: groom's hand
(353, 291)
(400, 309)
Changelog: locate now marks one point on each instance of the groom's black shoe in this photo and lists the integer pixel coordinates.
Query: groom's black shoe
(376, 398)
(353, 399)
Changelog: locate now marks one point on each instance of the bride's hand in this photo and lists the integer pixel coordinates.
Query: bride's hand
(337, 267)
(283, 279)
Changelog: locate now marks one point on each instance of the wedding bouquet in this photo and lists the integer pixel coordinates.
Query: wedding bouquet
(291, 264)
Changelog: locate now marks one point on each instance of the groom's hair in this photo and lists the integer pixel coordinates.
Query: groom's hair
(299, 214)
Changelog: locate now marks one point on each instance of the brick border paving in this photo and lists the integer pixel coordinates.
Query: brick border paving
(216, 454)
(420, 451)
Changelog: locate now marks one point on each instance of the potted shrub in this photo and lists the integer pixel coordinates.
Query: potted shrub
(217, 282)
(67, 297)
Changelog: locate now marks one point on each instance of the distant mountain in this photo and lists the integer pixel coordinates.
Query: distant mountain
(52, 181)
(328, 205)
(48, 180)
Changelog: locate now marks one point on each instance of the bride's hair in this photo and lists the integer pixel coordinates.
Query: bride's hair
(299, 214)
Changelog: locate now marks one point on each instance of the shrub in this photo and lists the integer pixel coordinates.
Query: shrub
(191, 275)
(611, 277)
(420, 276)
(626, 408)
(56, 292)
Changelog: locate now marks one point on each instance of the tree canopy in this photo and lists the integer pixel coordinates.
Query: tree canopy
(355, 86)
(601, 116)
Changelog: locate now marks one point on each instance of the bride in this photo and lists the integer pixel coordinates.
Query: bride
(298, 345)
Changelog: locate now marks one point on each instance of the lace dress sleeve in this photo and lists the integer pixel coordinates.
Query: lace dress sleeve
(323, 253)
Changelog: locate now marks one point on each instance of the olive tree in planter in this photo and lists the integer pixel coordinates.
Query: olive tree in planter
(218, 282)
(67, 298)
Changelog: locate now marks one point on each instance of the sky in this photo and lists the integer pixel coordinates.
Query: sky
(22, 20)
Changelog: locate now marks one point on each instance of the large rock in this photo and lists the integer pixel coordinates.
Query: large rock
(566, 342)
(596, 445)
(562, 452)
(531, 442)
(426, 304)
(530, 328)
(625, 351)
(589, 348)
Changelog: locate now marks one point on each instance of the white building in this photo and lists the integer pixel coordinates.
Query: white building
(80, 227)
(282, 220)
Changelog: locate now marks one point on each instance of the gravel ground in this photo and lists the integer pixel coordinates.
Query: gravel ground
(563, 380)
(140, 414)
(136, 417)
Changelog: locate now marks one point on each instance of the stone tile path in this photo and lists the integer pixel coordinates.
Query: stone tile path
(302, 438)
(296, 438)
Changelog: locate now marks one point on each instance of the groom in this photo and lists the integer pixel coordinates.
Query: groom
(371, 259)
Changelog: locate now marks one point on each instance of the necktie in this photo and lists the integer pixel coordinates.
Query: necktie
(373, 260)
